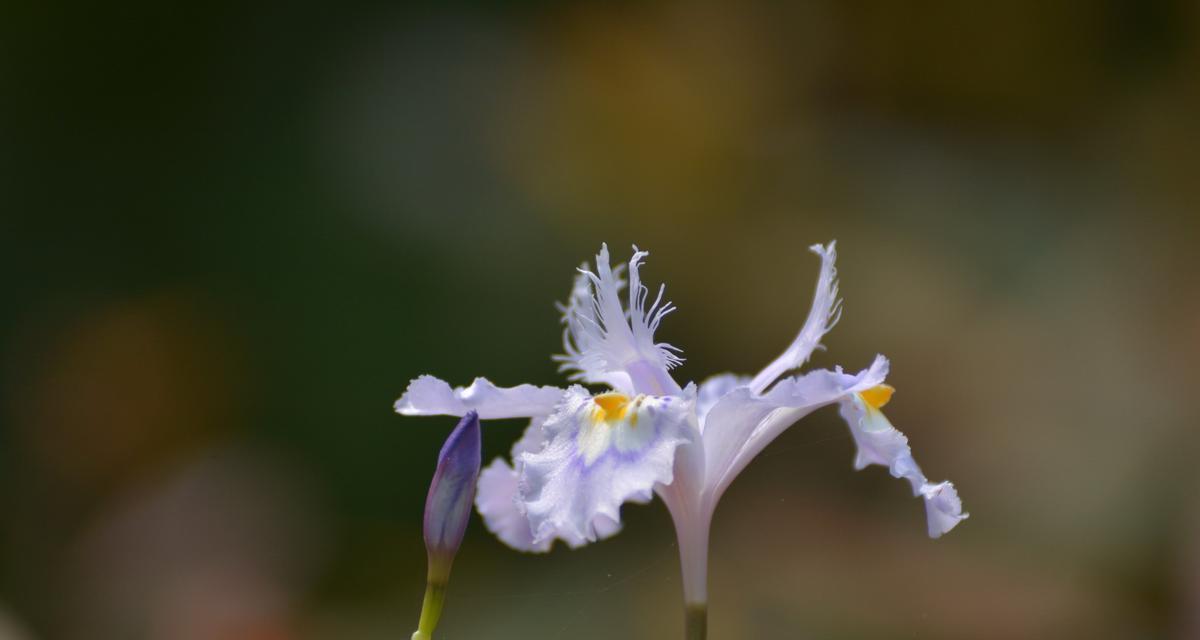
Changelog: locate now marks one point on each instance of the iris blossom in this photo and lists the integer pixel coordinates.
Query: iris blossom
(586, 453)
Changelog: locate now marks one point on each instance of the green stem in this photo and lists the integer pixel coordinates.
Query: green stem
(695, 621)
(431, 610)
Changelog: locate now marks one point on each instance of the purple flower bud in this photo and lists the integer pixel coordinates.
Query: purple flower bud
(451, 494)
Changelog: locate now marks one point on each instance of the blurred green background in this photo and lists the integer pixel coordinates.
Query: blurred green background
(230, 235)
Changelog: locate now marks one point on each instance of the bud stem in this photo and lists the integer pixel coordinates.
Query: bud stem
(431, 610)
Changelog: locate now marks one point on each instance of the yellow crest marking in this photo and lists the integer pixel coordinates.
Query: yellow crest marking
(610, 407)
(876, 397)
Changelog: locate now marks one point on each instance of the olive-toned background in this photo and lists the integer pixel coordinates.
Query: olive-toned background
(230, 234)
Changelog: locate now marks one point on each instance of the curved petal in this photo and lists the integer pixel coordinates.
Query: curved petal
(742, 423)
(943, 508)
(825, 312)
(882, 444)
(428, 396)
(602, 451)
(715, 388)
(498, 501)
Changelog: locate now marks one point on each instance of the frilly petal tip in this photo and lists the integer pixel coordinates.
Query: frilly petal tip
(943, 508)
(824, 250)
(425, 395)
(880, 368)
(405, 406)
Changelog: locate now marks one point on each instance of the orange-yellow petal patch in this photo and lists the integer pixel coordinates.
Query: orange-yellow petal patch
(877, 396)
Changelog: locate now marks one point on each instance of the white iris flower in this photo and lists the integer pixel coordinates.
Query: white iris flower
(585, 454)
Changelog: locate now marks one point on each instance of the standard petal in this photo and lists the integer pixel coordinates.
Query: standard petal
(825, 312)
(882, 444)
(583, 336)
(742, 423)
(601, 452)
(427, 396)
(607, 343)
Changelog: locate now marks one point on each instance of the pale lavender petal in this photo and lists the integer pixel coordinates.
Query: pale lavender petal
(602, 451)
(497, 504)
(715, 388)
(882, 444)
(825, 312)
(879, 443)
(498, 501)
(943, 508)
(428, 395)
(743, 423)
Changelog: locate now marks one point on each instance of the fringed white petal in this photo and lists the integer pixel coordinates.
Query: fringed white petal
(645, 320)
(605, 343)
(427, 396)
(882, 444)
(825, 312)
(583, 336)
(601, 452)
(743, 423)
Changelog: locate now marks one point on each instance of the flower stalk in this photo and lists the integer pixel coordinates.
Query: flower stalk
(695, 622)
(431, 610)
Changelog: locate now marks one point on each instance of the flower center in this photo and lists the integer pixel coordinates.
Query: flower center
(611, 408)
(877, 396)
(612, 423)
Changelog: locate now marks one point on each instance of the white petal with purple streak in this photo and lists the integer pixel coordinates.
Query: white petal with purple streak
(601, 452)
(503, 513)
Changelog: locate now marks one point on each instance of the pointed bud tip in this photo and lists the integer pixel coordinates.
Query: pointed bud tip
(463, 439)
